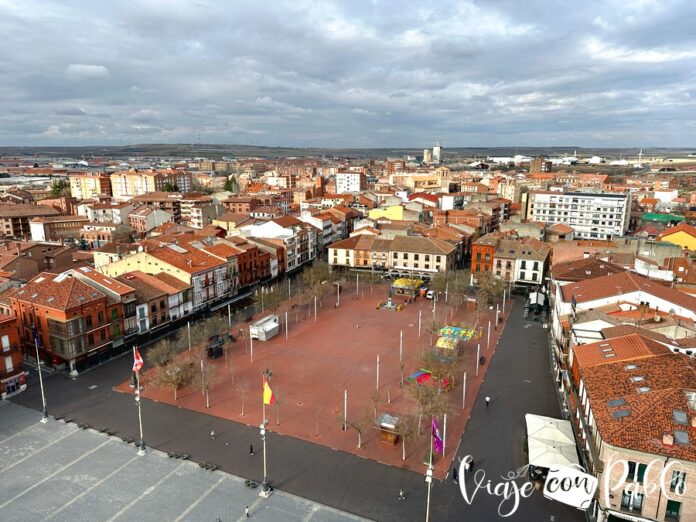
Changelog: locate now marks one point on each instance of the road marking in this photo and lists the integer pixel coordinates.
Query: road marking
(18, 433)
(93, 486)
(38, 451)
(310, 515)
(147, 491)
(200, 499)
(53, 474)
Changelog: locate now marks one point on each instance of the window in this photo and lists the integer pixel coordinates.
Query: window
(415, 257)
(678, 482)
(162, 304)
(632, 468)
(632, 501)
(114, 314)
(536, 265)
(405, 255)
(90, 340)
(8, 364)
(5, 343)
(478, 256)
(88, 321)
(478, 268)
(523, 266)
(523, 275)
(103, 334)
(673, 509)
(437, 259)
(100, 316)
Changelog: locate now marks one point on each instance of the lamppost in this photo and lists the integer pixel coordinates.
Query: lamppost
(141, 444)
(429, 482)
(44, 418)
(266, 489)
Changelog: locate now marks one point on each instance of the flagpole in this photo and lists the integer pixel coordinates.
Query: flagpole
(429, 475)
(444, 435)
(265, 489)
(44, 418)
(141, 445)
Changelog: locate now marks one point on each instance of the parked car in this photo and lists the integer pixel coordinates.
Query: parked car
(430, 294)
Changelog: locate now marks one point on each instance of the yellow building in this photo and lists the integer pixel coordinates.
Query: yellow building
(88, 186)
(394, 212)
(683, 235)
(135, 182)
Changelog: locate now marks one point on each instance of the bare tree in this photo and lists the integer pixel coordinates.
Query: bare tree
(407, 428)
(205, 379)
(162, 353)
(360, 424)
(375, 398)
(176, 374)
(243, 389)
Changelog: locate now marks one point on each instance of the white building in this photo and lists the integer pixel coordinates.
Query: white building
(350, 182)
(437, 153)
(592, 215)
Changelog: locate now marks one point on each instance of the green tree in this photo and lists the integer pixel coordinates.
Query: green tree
(169, 187)
(407, 428)
(231, 184)
(60, 187)
(268, 298)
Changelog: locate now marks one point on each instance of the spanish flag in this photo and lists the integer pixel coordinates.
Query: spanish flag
(268, 397)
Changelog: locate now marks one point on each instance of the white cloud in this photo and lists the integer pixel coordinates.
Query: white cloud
(610, 53)
(85, 71)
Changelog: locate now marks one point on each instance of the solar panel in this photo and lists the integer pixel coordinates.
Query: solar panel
(621, 413)
(681, 437)
(680, 417)
(616, 402)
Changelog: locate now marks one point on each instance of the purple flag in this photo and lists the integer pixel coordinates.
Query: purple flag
(437, 439)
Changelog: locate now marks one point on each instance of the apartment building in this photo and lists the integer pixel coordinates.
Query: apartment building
(15, 218)
(57, 228)
(600, 215)
(350, 182)
(110, 212)
(633, 407)
(403, 255)
(521, 261)
(12, 377)
(67, 318)
(143, 219)
(88, 186)
(125, 185)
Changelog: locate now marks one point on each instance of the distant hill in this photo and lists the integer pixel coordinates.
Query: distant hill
(246, 151)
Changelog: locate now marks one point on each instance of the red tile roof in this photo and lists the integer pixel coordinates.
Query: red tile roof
(59, 291)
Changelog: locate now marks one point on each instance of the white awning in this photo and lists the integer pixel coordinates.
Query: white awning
(551, 442)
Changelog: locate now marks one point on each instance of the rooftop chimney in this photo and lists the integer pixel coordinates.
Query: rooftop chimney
(668, 439)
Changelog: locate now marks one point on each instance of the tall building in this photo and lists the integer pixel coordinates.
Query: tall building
(592, 215)
(350, 182)
(131, 183)
(540, 164)
(427, 156)
(437, 153)
(88, 186)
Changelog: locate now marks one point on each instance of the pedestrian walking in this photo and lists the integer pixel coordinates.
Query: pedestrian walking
(246, 511)
(401, 495)
(488, 400)
(455, 479)
(251, 449)
(212, 434)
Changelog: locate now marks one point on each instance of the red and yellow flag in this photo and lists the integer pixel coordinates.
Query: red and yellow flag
(268, 397)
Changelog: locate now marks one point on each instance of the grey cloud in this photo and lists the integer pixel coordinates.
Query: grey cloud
(360, 73)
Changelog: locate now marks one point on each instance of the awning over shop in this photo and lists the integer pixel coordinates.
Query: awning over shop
(551, 442)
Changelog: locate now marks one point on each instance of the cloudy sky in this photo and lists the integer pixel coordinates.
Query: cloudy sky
(354, 73)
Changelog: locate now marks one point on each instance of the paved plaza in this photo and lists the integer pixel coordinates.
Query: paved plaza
(60, 472)
(322, 360)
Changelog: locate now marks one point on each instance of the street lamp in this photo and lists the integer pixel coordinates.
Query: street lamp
(429, 482)
(141, 444)
(44, 418)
